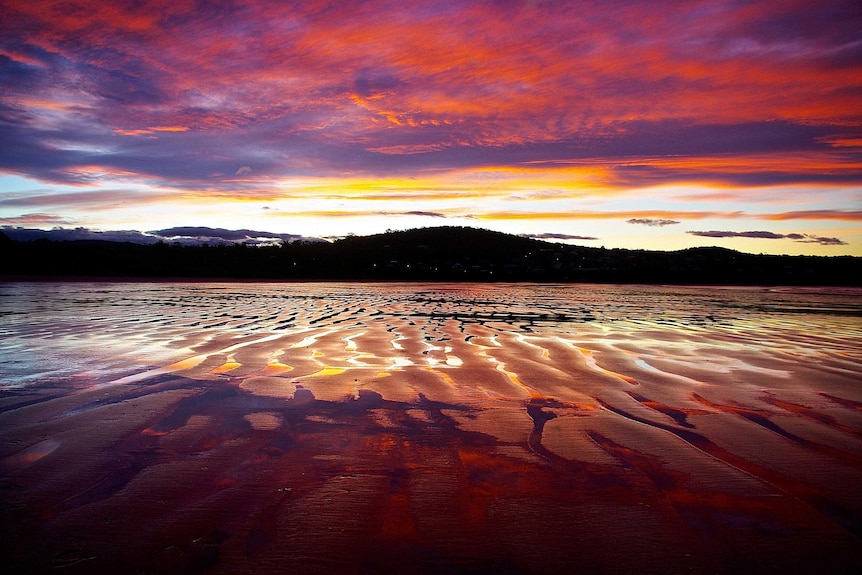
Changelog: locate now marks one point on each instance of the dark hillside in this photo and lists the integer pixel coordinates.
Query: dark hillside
(436, 253)
(429, 254)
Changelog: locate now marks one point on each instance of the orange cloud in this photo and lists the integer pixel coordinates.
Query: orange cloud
(440, 102)
(151, 130)
(841, 215)
(532, 73)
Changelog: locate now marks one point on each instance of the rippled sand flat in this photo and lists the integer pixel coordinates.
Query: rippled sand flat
(364, 428)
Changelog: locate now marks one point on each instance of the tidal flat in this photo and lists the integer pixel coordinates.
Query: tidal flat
(429, 428)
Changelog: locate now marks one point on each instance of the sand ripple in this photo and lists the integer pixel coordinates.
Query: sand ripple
(456, 416)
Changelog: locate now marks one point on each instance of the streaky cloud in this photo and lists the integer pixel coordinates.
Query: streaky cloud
(824, 241)
(60, 234)
(34, 219)
(723, 234)
(207, 235)
(804, 238)
(180, 235)
(557, 236)
(652, 222)
(844, 215)
(93, 200)
(365, 213)
(467, 84)
(423, 213)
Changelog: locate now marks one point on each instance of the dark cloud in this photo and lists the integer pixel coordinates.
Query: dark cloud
(556, 236)
(209, 235)
(427, 214)
(721, 234)
(388, 213)
(651, 222)
(16, 73)
(804, 238)
(370, 81)
(824, 241)
(72, 234)
(181, 235)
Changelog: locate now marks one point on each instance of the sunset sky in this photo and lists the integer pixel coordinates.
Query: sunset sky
(658, 125)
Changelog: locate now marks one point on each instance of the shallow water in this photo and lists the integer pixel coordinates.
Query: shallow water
(425, 427)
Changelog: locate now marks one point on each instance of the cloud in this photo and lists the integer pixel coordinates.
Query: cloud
(36, 219)
(556, 236)
(84, 198)
(804, 238)
(150, 130)
(363, 214)
(580, 99)
(672, 215)
(651, 222)
(812, 239)
(845, 215)
(181, 235)
(201, 234)
(609, 215)
(61, 234)
(719, 234)
(460, 84)
(421, 213)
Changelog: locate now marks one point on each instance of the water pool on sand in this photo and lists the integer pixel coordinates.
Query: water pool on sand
(361, 428)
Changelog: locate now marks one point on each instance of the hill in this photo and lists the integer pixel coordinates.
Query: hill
(426, 254)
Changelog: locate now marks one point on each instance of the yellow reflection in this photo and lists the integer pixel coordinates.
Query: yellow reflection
(227, 366)
(275, 368)
(328, 371)
(186, 363)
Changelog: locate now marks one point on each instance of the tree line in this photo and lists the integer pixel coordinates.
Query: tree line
(426, 254)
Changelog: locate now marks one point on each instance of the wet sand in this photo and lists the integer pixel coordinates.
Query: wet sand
(426, 429)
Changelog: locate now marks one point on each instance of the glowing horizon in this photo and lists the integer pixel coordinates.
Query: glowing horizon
(707, 123)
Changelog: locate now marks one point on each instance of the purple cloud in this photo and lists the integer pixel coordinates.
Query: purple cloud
(35, 219)
(721, 234)
(824, 241)
(361, 103)
(242, 97)
(557, 236)
(804, 238)
(200, 234)
(60, 234)
(181, 235)
(427, 214)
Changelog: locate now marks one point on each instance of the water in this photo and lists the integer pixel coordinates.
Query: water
(94, 332)
(256, 427)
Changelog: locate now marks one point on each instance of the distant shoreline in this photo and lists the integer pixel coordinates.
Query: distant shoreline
(434, 255)
(246, 281)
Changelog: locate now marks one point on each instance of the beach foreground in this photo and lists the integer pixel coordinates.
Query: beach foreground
(366, 428)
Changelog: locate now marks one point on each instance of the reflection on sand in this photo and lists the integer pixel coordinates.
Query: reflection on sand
(404, 428)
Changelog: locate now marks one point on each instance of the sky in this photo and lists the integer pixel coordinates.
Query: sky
(625, 124)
